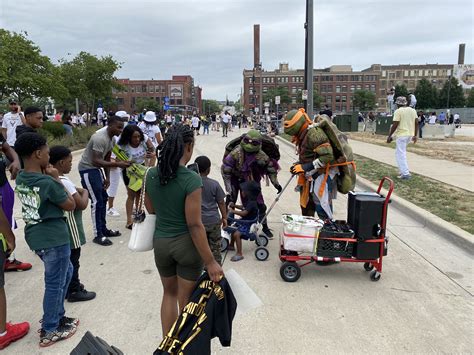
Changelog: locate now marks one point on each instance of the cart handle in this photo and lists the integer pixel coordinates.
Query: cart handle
(390, 188)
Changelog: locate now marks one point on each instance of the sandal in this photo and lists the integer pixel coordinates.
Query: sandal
(236, 257)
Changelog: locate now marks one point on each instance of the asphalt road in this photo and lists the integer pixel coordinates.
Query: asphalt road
(422, 304)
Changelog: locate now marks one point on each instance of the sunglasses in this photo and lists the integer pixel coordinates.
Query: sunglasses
(252, 141)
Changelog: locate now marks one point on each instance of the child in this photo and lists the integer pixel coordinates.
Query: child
(213, 201)
(8, 332)
(248, 212)
(60, 158)
(44, 201)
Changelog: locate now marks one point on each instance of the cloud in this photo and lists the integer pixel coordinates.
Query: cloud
(212, 40)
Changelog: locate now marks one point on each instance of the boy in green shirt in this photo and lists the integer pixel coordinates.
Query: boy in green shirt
(44, 201)
(60, 158)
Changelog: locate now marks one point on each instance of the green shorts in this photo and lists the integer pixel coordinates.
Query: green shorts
(177, 256)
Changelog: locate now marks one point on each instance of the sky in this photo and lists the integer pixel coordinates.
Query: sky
(212, 40)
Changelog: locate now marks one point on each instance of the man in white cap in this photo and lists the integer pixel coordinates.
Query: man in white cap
(405, 127)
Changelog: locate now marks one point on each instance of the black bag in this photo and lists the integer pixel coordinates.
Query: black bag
(92, 345)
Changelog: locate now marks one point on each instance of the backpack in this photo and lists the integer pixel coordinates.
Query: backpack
(268, 146)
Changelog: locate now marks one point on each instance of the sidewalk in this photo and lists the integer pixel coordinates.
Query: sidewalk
(451, 173)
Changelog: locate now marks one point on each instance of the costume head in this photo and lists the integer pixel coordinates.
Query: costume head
(401, 101)
(322, 117)
(252, 141)
(296, 121)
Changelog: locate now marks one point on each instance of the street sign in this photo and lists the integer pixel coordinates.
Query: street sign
(267, 110)
(166, 107)
(266, 104)
(277, 100)
(304, 95)
(256, 109)
(167, 100)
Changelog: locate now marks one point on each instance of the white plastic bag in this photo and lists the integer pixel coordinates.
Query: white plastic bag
(141, 238)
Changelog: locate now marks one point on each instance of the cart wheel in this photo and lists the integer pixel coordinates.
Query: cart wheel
(290, 271)
(261, 253)
(368, 267)
(375, 275)
(224, 244)
(261, 240)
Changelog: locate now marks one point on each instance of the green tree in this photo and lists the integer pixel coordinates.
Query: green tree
(456, 94)
(470, 98)
(89, 78)
(148, 103)
(426, 94)
(401, 90)
(364, 100)
(24, 72)
(210, 106)
(281, 91)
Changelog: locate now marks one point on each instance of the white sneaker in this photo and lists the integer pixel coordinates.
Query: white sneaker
(112, 212)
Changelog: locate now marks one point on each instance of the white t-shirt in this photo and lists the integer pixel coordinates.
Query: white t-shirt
(456, 116)
(195, 122)
(432, 119)
(138, 154)
(10, 122)
(68, 184)
(150, 130)
(226, 118)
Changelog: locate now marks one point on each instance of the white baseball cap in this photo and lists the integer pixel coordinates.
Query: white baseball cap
(149, 116)
(122, 114)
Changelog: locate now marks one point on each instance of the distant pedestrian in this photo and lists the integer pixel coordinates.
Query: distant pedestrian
(226, 120)
(432, 119)
(206, 121)
(11, 121)
(326, 111)
(150, 128)
(405, 127)
(411, 100)
(421, 122)
(213, 122)
(442, 118)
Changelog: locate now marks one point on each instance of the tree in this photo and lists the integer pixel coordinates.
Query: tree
(426, 94)
(281, 91)
(148, 103)
(89, 78)
(210, 106)
(470, 98)
(456, 94)
(364, 100)
(24, 72)
(401, 90)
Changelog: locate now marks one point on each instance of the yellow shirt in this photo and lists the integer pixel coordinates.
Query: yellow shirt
(406, 116)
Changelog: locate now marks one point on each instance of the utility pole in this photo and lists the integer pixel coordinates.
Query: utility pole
(449, 90)
(308, 83)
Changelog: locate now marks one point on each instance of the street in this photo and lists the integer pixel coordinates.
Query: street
(423, 303)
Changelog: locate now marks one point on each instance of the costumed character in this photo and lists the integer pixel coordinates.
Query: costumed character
(250, 158)
(325, 163)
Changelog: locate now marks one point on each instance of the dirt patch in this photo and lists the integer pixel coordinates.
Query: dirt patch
(458, 149)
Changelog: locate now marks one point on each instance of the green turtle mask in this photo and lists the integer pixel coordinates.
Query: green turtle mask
(252, 141)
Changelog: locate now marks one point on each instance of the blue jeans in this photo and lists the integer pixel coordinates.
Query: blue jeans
(93, 182)
(206, 129)
(57, 274)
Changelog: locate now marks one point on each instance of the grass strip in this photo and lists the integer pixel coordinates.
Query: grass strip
(447, 202)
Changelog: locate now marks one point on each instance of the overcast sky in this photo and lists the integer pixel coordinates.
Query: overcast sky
(212, 40)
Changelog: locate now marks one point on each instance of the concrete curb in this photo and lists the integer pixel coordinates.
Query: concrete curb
(449, 231)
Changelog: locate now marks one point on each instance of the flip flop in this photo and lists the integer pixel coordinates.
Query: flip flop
(236, 258)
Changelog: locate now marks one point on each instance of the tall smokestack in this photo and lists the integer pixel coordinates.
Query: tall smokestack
(256, 46)
(462, 50)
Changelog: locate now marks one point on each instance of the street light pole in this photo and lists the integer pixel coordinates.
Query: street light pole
(309, 58)
(449, 90)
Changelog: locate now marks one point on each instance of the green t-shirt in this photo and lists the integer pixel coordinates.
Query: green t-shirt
(41, 196)
(168, 201)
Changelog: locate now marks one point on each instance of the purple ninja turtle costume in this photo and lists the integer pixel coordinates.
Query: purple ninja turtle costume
(245, 160)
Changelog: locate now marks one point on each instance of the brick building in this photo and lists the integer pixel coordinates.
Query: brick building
(337, 83)
(183, 96)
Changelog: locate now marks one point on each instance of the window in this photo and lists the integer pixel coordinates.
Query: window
(329, 99)
(120, 100)
(372, 87)
(143, 88)
(338, 98)
(338, 107)
(293, 101)
(412, 73)
(391, 75)
(367, 86)
(448, 72)
(251, 91)
(338, 88)
(279, 79)
(405, 73)
(399, 74)
(352, 88)
(384, 73)
(265, 89)
(294, 90)
(151, 88)
(157, 88)
(435, 72)
(344, 98)
(344, 88)
(138, 88)
(359, 87)
(179, 101)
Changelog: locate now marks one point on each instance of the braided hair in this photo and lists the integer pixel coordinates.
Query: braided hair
(171, 150)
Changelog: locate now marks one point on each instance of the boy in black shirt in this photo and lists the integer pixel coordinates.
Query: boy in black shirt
(248, 212)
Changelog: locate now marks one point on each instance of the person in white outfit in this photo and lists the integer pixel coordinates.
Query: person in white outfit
(405, 128)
